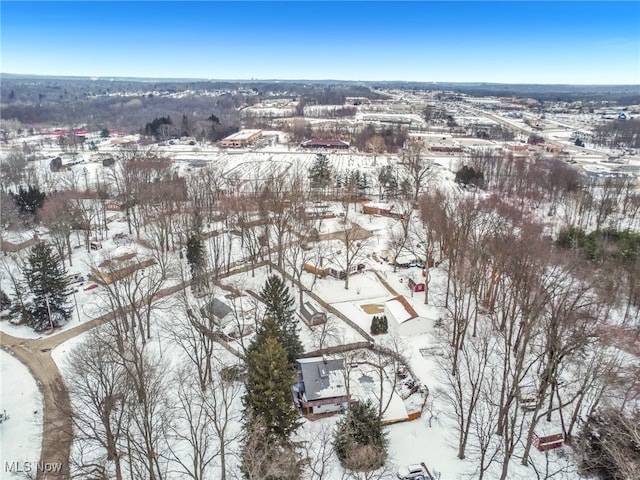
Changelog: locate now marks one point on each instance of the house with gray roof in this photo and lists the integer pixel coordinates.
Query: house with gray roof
(321, 386)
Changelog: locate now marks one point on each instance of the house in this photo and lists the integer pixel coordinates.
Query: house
(114, 274)
(335, 271)
(403, 318)
(372, 208)
(340, 273)
(325, 143)
(311, 314)
(321, 385)
(234, 315)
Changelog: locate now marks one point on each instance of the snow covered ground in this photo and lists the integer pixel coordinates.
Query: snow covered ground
(21, 409)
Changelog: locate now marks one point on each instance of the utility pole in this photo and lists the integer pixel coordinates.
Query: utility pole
(46, 299)
(76, 302)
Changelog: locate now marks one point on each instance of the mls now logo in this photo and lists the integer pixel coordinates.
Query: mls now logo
(32, 467)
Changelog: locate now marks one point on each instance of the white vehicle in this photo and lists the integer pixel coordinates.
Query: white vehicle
(413, 472)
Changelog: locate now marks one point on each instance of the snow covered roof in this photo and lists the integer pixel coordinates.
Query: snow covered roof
(218, 308)
(243, 134)
(322, 377)
(400, 309)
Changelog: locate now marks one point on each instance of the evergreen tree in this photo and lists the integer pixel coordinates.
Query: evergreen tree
(185, 129)
(467, 175)
(268, 389)
(46, 281)
(280, 308)
(196, 257)
(360, 442)
(5, 301)
(30, 200)
(320, 173)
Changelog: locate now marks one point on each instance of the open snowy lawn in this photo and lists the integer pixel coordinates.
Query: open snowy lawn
(21, 401)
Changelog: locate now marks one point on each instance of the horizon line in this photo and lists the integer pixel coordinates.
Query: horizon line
(247, 80)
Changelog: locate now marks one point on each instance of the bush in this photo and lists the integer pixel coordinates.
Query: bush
(469, 176)
(379, 325)
(360, 443)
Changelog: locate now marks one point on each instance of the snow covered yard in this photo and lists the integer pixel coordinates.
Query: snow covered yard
(21, 410)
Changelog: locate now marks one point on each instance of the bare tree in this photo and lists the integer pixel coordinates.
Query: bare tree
(100, 395)
(202, 421)
(56, 215)
(417, 168)
(354, 239)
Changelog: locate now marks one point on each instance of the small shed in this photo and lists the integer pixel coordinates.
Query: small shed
(311, 314)
(416, 283)
(547, 436)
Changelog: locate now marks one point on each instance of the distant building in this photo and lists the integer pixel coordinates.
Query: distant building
(372, 208)
(240, 139)
(322, 143)
(551, 148)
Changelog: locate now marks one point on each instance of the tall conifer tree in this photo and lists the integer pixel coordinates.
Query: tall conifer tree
(46, 280)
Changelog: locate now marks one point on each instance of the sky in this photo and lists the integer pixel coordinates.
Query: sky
(543, 42)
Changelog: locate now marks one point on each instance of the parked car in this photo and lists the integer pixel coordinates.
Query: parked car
(417, 471)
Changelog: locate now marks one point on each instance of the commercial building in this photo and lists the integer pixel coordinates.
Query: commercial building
(241, 139)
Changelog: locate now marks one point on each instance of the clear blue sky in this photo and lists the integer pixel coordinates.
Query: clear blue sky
(507, 42)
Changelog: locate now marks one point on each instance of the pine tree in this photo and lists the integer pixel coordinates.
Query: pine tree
(320, 173)
(196, 258)
(280, 308)
(5, 301)
(30, 200)
(46, 281)
(268, 389)
(375, 325)
(360, 441)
